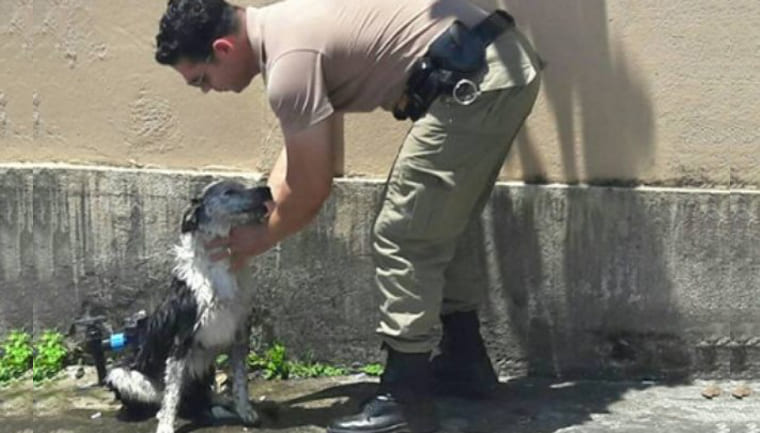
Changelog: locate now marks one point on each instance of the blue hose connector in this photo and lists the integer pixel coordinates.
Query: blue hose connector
(118, 341)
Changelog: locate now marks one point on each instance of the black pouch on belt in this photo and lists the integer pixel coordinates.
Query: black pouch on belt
(453, 58)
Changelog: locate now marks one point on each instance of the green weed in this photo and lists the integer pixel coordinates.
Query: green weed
(222, 360)
(16, 355)
(274, 364)
(315, 369)
(372, 369)
(49, 357)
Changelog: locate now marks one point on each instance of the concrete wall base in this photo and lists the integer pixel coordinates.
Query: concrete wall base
(581, 281)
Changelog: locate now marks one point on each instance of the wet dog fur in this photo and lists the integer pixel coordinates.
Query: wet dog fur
(206, 314)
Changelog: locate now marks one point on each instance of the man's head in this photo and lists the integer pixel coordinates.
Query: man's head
(206, 42)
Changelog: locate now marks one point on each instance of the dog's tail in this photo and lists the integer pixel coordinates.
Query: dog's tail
(133, 387)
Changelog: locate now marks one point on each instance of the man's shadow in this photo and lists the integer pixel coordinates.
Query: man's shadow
(520, 405)
(596, 96)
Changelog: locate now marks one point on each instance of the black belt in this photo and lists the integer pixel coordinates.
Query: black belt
(494, 25)
(451, 60)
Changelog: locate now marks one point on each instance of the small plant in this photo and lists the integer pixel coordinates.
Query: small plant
(222, 360)
(50, 354)
(307, 368)
(372, 369)
(315, 369)
(16, 355)
(274, 363)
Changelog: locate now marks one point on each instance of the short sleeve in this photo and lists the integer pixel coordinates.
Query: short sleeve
(297, 91)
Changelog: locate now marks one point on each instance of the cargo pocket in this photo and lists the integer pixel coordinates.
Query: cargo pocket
(428, 193)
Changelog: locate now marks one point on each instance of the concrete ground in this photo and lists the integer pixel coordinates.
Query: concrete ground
(522, 405)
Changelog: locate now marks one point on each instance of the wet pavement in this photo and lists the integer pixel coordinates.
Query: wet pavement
(522, 405)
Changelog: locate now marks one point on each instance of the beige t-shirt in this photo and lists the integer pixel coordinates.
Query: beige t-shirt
(324, 56)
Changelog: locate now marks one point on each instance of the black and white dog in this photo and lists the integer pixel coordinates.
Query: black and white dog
(206, 314)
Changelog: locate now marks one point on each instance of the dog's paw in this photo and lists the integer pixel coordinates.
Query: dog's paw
(248, 415)
(164, 428)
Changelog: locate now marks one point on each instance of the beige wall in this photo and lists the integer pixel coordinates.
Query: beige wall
(660, 91)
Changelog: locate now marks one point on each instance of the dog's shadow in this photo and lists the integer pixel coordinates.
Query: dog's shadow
(304, 410)
(343, 400)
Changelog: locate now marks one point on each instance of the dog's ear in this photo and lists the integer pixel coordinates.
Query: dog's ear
(190, 219)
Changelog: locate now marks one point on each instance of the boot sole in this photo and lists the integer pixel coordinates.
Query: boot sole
(398, 428)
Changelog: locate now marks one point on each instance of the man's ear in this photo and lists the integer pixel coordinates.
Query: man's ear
(190, 218)
(223, 46)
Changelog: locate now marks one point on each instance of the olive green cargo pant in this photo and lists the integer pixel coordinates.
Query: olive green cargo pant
(440, 182)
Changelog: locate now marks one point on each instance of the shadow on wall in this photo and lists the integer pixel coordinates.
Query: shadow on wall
(570, 285)
(575, 290)
(601, 108)
(582, 273)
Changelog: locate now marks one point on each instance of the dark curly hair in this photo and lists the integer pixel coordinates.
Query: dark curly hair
(189, 27)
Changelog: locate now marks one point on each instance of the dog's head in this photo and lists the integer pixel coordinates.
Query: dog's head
(225, 204)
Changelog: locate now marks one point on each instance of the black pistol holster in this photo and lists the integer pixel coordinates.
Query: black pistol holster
(450, 63)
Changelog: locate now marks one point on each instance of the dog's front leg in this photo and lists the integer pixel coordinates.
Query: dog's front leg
(175, 370)
(238, 357)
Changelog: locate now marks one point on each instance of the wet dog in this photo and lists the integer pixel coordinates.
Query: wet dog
(206, 314)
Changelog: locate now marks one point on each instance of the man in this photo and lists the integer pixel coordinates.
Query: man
(322, 58)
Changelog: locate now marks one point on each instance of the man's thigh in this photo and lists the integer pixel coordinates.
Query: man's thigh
(449, 160)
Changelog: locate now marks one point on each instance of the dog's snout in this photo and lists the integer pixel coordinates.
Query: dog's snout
(263, 193)
(261, 201)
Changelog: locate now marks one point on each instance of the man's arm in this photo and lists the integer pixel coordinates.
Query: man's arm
(337, 138)
(339, 144)
(301, 180)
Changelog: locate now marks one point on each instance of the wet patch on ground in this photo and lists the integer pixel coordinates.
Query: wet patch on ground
(522, 405)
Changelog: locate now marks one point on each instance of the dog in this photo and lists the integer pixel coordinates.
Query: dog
(207, 313)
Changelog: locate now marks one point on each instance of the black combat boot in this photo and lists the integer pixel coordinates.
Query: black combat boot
(463, 368)
(403, 402)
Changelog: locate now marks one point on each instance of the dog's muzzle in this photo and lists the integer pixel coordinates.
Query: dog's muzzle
(263, 193)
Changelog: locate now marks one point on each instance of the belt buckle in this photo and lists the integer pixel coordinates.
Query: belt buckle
(465, 92)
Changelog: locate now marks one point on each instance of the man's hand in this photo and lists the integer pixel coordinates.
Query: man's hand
(301, 180)
(243, 243)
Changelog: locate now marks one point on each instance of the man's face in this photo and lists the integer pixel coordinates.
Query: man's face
(227, 70)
